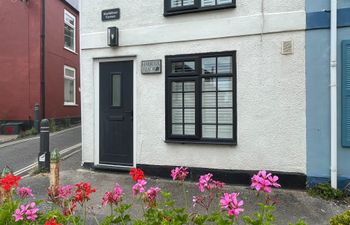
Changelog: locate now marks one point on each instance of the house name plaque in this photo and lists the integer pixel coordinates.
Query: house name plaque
(110, 14)
(151, 66)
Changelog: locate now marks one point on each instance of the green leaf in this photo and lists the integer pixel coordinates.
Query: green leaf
(342, 219)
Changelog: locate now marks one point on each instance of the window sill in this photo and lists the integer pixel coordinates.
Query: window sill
(70, 105)
(204, 9)
(230, 143)
(70, 50)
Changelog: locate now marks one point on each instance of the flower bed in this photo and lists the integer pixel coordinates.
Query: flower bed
(212, 205)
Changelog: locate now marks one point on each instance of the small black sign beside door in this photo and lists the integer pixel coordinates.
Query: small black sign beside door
(110, 14)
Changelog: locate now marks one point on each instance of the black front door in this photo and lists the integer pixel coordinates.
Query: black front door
(116, 113)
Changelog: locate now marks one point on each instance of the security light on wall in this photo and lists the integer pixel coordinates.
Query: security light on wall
(112, 36)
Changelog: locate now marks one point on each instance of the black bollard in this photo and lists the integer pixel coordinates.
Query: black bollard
(44, 155)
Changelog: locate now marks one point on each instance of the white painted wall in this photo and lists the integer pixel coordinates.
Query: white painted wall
(142, 21)
(271, 87)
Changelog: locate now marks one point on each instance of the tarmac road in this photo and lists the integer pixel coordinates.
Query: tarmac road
(19, 154)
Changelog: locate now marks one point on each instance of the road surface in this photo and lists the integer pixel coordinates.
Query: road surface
(22, 154)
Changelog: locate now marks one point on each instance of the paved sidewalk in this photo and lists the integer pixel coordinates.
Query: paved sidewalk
(291, 204)
(6, 138)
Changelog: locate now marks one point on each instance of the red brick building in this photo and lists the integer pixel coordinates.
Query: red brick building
(24, 79)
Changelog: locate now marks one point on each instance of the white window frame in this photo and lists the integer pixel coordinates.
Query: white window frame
(74, 80)
(74, 30)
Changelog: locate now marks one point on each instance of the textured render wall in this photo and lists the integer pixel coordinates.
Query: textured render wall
(271, 106)
(318, 112)
(317, 83)
(143, 13)
(271, 87)
(144, 23)
(319, 5)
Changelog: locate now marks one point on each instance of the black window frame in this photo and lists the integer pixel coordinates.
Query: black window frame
(167, 6)
(169, 11)
(197, 76)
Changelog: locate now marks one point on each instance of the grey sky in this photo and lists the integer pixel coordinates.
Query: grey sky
(74, 3)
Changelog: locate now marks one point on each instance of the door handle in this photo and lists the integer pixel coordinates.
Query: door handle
(130, 112)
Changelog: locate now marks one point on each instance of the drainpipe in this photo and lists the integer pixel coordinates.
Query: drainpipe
(43, 37)
(333, 87)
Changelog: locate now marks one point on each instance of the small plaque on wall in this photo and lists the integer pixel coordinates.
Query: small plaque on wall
(151, 66)
(110, 14)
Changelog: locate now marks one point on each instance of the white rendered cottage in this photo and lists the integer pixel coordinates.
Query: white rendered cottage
(214, 85)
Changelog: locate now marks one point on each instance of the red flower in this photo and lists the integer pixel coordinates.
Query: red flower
(9, 181)
(52, 222)
(83, 192)
(137, 174)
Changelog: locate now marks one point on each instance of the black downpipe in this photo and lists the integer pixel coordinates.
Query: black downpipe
(43, 62)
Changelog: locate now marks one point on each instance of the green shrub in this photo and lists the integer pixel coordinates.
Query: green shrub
(6, 211)
(326, 192)
(53, 126)
(30, 132)
(300, 222)
(57, 125)
(342, 219)
(67, 122)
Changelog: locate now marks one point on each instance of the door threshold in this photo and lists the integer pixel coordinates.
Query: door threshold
(112, 167)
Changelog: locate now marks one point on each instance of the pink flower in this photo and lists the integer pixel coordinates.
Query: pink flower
(273, 180)
(113, 197)
(206, 182)
(230, 203)
(150, 197)
(107, 199)
(24, 192)
(263, 181)
(216, 185)
(179, 173)
(26, 212)
(152, 193)
(118, 191)
(65, 192)
(31, 212)
(18, 215)
(139, 187)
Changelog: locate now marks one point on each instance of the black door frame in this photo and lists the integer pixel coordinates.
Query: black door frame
(96, 74)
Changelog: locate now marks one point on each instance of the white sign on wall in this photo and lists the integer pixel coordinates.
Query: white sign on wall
(151, 66)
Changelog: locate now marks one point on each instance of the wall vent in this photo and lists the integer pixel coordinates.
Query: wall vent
(287, 48)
